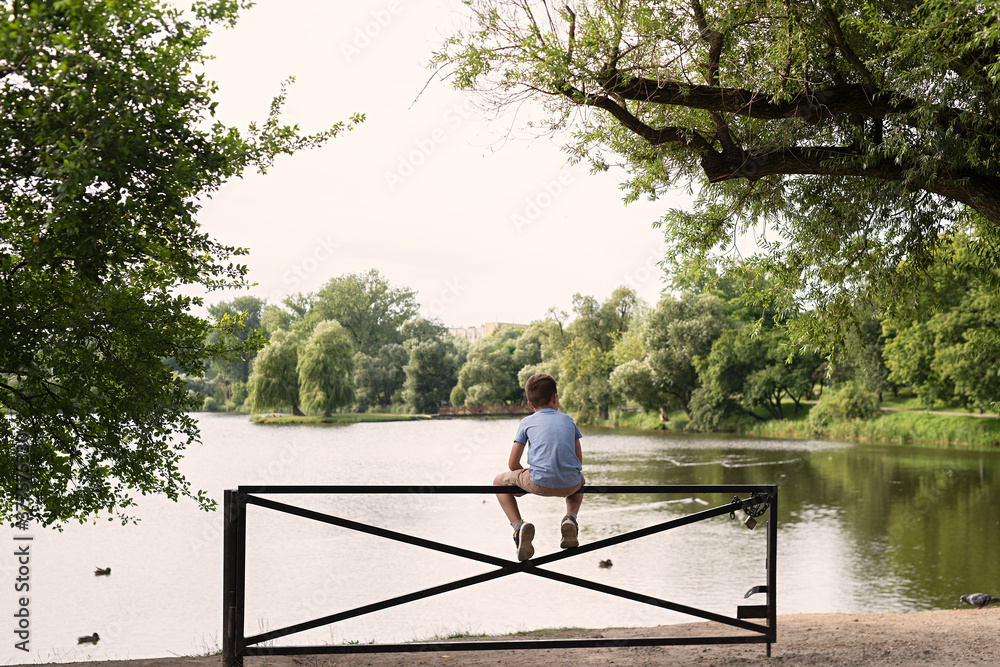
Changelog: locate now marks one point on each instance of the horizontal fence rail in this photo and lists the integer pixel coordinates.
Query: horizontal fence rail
(753, 500)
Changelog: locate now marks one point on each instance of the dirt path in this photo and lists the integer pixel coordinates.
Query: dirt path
(937, 638)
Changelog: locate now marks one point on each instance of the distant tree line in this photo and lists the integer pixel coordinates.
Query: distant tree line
(358, 345)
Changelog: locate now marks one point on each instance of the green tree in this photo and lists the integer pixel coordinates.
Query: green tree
(539, 347)
(601, 324)
(751, 369)
(946, 345)
(856, 133)
(325, 367)
(671, 337)
(586, 362)
(377, 378)
(367, 306)
(489, 374)
(286, 316)
(457, 395)
(863, 358)
(585, 378)
(201, 387)
(274, 378)
(969, 358)
(245, 314)
(431, 373)
(421, 329)
(240, 393)
(107, 148)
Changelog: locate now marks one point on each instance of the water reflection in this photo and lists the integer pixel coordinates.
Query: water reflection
(920, 525)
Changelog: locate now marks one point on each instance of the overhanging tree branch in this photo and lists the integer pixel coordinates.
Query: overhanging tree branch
(819, 104)
(655, 136)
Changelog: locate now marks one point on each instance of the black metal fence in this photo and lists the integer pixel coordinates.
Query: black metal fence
(753, 501)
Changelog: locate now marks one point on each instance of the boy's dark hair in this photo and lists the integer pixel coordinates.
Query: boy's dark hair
(540, 388)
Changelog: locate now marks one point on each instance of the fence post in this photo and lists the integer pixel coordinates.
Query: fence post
(772, 569)
(230, 580)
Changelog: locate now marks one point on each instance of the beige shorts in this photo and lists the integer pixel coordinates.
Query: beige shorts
(522, 478)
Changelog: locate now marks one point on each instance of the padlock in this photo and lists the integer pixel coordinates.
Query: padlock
(750, 522)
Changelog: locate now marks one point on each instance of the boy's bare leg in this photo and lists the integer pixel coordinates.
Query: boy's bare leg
(573, 503)
(509, 505)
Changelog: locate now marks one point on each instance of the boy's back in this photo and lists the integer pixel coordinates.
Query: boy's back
(551, 439)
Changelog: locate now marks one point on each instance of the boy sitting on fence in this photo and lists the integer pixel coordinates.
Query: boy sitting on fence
(555, 461)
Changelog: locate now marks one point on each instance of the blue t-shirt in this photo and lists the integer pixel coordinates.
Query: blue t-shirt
(551, 439)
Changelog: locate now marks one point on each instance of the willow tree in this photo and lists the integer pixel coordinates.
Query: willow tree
(325, 367)
(107, 148)
(849, 135)
(274, 380)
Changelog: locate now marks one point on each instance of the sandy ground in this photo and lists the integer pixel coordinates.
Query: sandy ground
(943, 637)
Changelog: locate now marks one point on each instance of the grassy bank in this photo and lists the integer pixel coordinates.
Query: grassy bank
(897, 426)
(338, 418)
(903, 427)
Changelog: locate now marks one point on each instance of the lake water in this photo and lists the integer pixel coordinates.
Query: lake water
(861, 529)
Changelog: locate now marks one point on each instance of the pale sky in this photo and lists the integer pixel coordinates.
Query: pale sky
(485, 222)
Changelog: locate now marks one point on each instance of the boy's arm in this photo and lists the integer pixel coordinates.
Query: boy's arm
(514, 462)
(579, 450)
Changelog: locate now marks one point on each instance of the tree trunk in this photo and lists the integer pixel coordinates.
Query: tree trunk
(774, 407)
(296, 411)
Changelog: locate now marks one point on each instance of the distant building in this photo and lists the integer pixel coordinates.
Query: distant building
(482, 331)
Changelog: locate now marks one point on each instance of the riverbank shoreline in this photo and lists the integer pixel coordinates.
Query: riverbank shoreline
(336, 418)
(936, 429)
(942, 637)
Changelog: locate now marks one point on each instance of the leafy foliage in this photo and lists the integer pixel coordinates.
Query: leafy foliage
(244, 313)
(587, 359)
(864, 358)
(106, 148)
(489, 374)
(539, 348)
(946, 346)
(848, 137)
(672, 338)
(367, 306)
(274, 381)
(431, 372)
(325, 368)
(756, 368)
(377, 378)
(847, 402)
